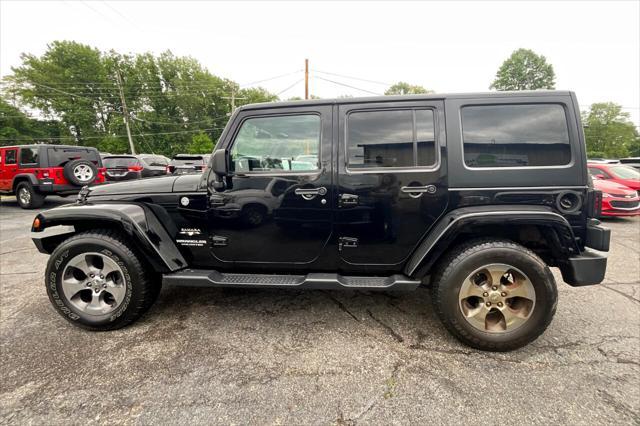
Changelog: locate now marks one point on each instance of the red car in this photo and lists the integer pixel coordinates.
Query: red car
(32, 172)
(619, 173)
(617, 200)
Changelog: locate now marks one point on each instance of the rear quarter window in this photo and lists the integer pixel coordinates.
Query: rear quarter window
(524, 135)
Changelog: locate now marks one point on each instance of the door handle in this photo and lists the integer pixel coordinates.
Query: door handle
(417, 191)
(310, 193)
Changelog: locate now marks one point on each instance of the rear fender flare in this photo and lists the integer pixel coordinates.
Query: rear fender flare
(136, 220)
(24, 177)
(452, 224)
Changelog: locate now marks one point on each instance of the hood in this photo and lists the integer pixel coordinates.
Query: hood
(611, 187)
(142, 186)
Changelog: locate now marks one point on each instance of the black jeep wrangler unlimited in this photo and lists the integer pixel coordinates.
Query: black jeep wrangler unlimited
(474, 195)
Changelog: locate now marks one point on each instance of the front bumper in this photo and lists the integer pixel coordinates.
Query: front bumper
(614, 206)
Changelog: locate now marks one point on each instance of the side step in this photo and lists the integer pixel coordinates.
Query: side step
(324, 281)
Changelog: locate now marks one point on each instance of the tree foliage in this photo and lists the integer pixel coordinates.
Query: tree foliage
(402, 88)
(17, 128)
(524, 70)
(201, 143)
(608, 132)
(169, 98)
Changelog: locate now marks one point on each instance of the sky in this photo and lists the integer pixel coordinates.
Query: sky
(448, 47)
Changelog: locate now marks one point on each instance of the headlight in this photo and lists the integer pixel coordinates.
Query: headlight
(605, 195)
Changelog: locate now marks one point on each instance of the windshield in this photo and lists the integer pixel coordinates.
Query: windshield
(116, 162)
(625, 172)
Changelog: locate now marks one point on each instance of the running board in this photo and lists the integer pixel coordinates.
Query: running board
(325, 281)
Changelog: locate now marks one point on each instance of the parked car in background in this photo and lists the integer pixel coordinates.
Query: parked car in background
(153, 165)
(603, 160)
(122, 167)
(631, 161)
(32, 172)
(619, 173)
(188, 163)
(617, 199)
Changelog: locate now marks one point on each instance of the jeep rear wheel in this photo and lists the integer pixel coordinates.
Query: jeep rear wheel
(494, 295)
(80, 172)
(27, 197)
(96, 282)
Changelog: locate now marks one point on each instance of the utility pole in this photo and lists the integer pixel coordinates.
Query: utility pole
(306, 79)
(233, 99)
(125, 112)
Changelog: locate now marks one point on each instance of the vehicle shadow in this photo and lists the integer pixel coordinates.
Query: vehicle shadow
(403, 316)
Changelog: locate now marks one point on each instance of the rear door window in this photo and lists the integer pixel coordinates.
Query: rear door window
(401, 138)
(29, 156)
(119, 162)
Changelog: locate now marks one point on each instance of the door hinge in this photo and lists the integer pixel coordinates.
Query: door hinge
(219, 241)
(346, 242)
(348, 200)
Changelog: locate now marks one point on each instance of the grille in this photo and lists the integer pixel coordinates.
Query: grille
(625, 204)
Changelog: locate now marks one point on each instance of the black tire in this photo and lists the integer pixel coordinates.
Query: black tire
(467, 258)
(27, 196)
(142, 287)
(70, 168)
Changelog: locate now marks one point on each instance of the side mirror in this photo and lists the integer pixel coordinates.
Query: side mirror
(219, 163)
(600, 177)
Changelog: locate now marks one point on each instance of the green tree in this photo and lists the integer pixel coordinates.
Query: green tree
(168, 97)
(608, 131)
(402, 88)
(201, 143)
(524, 70)
(17, 128)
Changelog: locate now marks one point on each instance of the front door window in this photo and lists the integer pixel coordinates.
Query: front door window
(286, 143)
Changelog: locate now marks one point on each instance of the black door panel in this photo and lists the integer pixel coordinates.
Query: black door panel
(392, 185)
(275, 209)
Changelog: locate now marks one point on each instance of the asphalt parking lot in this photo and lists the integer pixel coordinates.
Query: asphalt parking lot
(314, 357)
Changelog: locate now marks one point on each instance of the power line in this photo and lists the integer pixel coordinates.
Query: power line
(353, 78)
(290, 87)
(271, 78)
(347, 85)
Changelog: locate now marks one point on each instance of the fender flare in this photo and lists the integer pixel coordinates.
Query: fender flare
(24, 176)
(450, 225)
(136, 220)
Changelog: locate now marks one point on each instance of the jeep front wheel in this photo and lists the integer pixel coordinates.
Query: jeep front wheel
(27, 197)
(494, 295)
(96, 282)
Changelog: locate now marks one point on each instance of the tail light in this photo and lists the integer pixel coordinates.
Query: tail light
(135, 168)
(170, 169)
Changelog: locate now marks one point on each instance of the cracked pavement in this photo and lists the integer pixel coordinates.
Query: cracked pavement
(203, 356)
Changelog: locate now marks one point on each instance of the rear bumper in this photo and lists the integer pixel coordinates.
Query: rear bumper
(64, 189)
(590, 266)
(586, 269)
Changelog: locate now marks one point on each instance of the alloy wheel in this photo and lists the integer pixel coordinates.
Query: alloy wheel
(94, 284)
(497, 298)
(25, 196)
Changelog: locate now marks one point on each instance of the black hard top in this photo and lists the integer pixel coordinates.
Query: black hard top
(48, 145)
(399, 98)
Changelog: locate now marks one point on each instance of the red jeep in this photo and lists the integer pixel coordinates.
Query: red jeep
(32, 172)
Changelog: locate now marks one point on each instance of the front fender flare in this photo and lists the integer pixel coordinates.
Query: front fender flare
(449, 226)
(135, 219)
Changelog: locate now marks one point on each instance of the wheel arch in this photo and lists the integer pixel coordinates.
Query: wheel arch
(23, 177)
(134, 220)
(544, 232)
